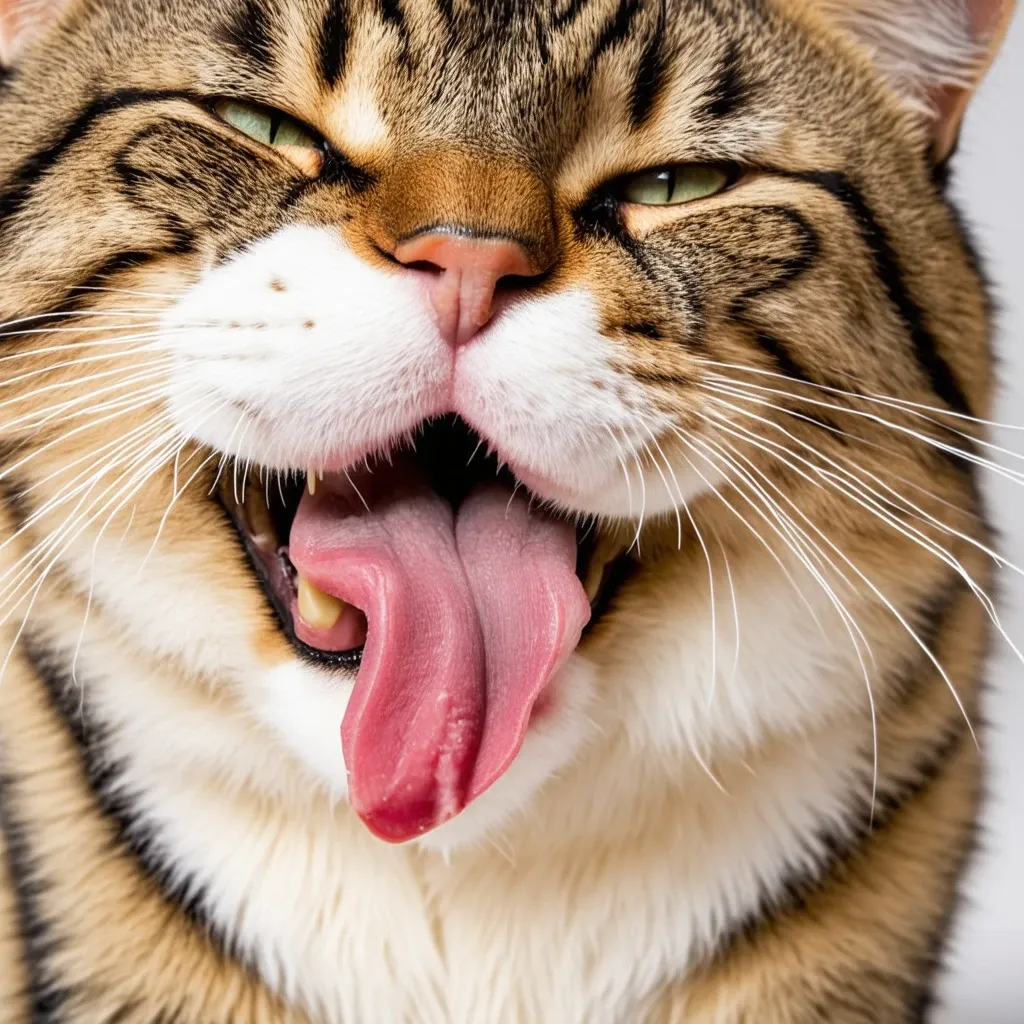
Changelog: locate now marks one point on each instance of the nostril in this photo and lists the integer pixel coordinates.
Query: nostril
(518, 282)
(424, 266)
(438, 251)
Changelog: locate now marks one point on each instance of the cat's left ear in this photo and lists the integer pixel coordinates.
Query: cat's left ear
(934, 52)
(21, 20)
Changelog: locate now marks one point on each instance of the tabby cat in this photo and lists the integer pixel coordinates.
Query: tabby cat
(490, 529)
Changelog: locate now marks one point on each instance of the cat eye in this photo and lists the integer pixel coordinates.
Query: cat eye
(270, 127)
(673, 186)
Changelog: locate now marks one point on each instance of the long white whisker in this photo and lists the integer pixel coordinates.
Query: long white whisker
(929, 654)
(772, 553)
(927, 439)
(866, 497)
(888, 400)
(850, 623)
(713, 597)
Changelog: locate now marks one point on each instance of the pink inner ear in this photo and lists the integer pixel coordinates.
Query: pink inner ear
(989, 22)
(989, 18)
(20, 20)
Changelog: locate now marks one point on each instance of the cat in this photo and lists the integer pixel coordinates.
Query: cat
(490, 528)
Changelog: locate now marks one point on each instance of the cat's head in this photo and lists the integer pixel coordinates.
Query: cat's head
(529, 291)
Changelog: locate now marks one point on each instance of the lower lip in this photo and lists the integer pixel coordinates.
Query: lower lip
(536, 482)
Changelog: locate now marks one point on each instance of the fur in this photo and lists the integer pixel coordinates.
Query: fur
(755, 786)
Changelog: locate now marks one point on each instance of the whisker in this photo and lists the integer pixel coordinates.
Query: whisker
(707, 554)
(111, 289)
(37, 419)
(868, 498)
(890, 400)
(622, 466)
(948, 449)
(929, 654)
(852, 627)
(773, 554)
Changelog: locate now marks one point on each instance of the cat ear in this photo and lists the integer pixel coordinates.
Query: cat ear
(20, 20)
(934, 52)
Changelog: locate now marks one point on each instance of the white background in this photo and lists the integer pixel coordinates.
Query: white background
(987, 981)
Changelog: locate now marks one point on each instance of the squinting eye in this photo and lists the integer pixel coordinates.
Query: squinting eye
(270, 127)
(672, 186)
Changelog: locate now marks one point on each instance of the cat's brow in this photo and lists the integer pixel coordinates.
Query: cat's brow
(649, 77)
(250, 34)
(333, 43)
(731, 88)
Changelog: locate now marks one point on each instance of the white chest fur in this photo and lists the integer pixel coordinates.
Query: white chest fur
(360, 932)
(573, 905)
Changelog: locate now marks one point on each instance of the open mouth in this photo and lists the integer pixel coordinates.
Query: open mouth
(450, 590)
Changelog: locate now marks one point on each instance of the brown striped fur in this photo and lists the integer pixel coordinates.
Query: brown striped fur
(836, 262)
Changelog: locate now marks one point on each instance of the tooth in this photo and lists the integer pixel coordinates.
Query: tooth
(258, 515)
(311, 481)
(318, 610)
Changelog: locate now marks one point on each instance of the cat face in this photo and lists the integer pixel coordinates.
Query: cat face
(626, 259)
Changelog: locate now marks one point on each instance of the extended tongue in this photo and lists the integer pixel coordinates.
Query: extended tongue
(466, 625)
(532, 609)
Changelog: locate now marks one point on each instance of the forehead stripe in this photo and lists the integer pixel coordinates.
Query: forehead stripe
(730, 91)
(649, 78)
(571, 11)
(333, 44)
(250, 34)
(615, 31)
(391, 13)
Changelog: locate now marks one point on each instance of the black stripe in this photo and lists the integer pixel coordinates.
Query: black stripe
(887, 268)
(568, 14)
(333, 45)
(600, 216)
(649, 78)
(130, 260)
(19, 187)
(930, 620)
(250, 34)
(105, 778)
(391, 13)
(864, 822)
(730, 89)
(14, 494)
(780, 354)
(617, 30)
(789, 269)
(80, 296)
(645, 329)
(46, 999)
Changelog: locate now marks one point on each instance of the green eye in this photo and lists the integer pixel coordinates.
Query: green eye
(673, 186)
(270, 127)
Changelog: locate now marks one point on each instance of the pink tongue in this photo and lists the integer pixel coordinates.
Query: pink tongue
(469, 617)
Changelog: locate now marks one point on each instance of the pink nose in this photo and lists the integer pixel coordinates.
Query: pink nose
(466, 275)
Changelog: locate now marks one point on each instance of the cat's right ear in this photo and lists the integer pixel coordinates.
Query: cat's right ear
(21, 20)
(933, 52)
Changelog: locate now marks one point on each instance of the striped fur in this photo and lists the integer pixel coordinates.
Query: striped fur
(758, 787)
